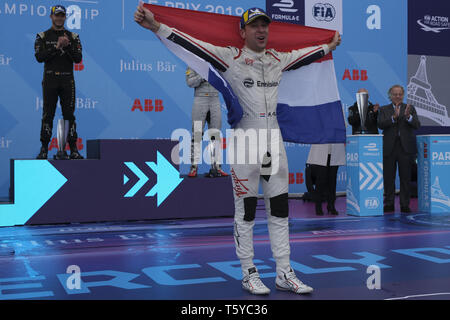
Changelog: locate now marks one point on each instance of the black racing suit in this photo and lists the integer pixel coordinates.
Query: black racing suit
(58, 80)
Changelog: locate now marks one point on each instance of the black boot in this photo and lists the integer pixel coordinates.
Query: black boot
(331, 209)
(43, 154)
(74, 154)
(61, 155)
(319, 211)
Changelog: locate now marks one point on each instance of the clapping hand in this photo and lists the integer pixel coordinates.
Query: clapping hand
(407, 111)
(376, 107)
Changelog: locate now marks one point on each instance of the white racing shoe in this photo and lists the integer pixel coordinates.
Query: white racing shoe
(289, 282)
(253, 284)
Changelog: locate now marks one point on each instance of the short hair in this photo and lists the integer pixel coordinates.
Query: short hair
(392, 88)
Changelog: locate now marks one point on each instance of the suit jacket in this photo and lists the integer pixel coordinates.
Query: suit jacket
(400, 127)
(355, 121)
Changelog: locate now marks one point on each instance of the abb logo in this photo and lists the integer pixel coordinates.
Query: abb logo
(425, 150)
(355, 75)
(296, 178)
(54, 144)
(148, 105)
(78, 66)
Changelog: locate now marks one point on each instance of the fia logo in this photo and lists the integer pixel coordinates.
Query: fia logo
(324, 12)
(371, 203)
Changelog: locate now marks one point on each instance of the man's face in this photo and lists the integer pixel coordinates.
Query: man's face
(397, 95)
(256, 34)
(58, 20)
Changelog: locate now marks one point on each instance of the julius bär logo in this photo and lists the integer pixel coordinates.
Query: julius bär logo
(4, 61)
(323, 12)
(150, 105)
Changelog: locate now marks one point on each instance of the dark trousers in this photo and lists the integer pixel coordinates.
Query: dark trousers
(62, 87)
(326, 177)
(402, 159)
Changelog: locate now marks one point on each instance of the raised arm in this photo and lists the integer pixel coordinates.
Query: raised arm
(219, 57)
(301, 57)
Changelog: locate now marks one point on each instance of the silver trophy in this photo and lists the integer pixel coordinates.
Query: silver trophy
(62, 132)
(213, 172)
(362, 100)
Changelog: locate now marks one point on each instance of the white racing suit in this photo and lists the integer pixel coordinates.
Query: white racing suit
(206, 99)
(254, 78)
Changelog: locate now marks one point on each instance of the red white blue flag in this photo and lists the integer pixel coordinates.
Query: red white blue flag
(309, 108)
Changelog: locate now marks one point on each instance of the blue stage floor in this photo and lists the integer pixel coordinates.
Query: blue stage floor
(195, 259)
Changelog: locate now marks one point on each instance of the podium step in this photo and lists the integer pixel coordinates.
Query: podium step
(121, 180)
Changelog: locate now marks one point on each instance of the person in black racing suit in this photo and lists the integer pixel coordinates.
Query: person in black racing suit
(59, 49)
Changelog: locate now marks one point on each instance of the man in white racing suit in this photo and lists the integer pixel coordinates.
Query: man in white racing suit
(205, 108)
(254, 73)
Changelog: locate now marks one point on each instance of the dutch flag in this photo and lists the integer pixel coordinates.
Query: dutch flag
(309, 108)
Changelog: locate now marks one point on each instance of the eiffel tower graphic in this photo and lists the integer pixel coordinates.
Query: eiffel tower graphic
(437, 195)
(421, 97)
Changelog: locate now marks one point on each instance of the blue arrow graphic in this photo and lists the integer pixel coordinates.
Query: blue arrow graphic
(142, 179)
(35, 182)
(168, 178)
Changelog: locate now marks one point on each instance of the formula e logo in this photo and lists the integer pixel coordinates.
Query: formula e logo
(372, 203)
(371, 147)
(324, 12)
(248, 83)
(285, 6)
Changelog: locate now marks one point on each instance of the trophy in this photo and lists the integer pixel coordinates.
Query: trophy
(362, 100)
(213, 172)
(62, 131)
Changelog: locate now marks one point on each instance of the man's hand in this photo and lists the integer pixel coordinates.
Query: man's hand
(407, 111)
(62, 42)
(145, 18)
(397, 112)
(335, 42)
(376, 107)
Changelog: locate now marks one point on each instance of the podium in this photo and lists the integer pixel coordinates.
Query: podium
(121, 180)
(433, 172)
(364, 175)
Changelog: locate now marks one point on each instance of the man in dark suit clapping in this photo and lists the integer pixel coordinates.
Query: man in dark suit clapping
(398, 122)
